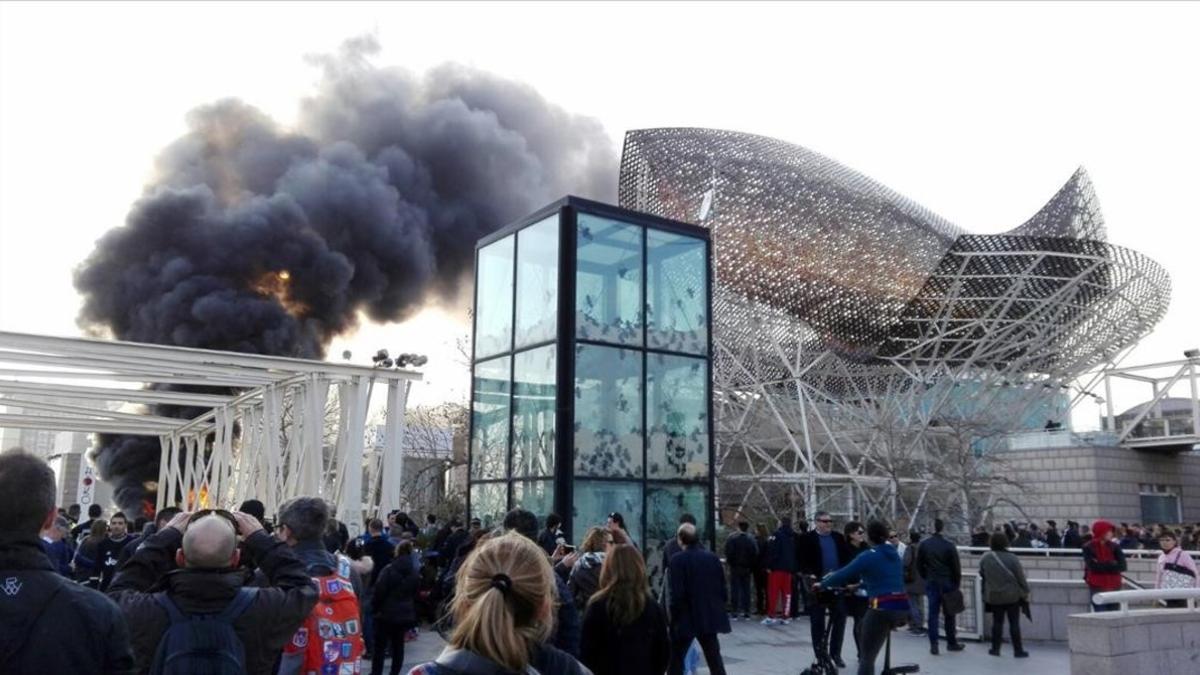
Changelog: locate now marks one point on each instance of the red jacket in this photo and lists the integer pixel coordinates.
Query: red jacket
(1103, 560)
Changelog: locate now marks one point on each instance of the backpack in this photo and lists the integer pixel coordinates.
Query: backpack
(202, 643)
(331, 636)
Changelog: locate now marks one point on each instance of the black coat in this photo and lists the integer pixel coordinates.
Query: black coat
(641, 648)
(265, 627)
(741, 551)
(381, 552)
(698, 594)
(394, 593)
(808, 553)
(78, 631)
(937, 559)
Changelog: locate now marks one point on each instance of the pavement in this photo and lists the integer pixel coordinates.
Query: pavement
(753, 649)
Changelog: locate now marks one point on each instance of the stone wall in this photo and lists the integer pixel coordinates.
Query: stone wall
(1057, 588)
(1088, 483)
(1140, 642)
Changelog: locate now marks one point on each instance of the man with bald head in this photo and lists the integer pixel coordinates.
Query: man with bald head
(194, 562)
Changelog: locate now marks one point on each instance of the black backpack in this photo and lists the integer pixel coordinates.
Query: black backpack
(202, 643)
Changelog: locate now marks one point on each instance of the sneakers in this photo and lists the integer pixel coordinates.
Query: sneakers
(955, 647)
(786, 621)
(933, 649)
(769, 621)
(1022, 655)
(994, 652)
(746, 616)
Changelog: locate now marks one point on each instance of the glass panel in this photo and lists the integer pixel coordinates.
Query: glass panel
(533, 412)
(608, 412)
(536, 496)
(489, 503)
(608, 285)
(537, 282)
(489, 412)
(664, 505)
(676, 293)
(594, 500)
(493, 298)
(676, 417)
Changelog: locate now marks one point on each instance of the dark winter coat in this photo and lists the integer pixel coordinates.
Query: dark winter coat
(640, 648)
(265, 627)
(59, 552)
(394, 593)
(808, 553)
(781, 550)
(698, 594)
(567, 623)
(381, 552)
(50, 625)
(741, 551)
(937, 559)
(585, 578)
(108, 556)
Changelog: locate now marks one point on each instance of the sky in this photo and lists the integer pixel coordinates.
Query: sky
(978, 111)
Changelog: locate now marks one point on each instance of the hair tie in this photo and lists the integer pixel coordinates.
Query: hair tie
(502, 582)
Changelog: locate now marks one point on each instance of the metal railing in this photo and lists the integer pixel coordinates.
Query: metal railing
(1139, 553)
(1126, 598)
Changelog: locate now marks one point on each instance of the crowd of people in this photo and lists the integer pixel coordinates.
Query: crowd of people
(215, 591)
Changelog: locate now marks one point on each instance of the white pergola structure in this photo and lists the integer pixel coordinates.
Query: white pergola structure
(280, 434)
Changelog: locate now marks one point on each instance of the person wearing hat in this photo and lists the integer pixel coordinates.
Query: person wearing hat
(1103, 563)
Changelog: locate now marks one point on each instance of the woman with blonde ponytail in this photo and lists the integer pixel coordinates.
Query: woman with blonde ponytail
(503, 611)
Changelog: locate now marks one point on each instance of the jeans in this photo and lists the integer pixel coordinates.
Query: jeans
(916, 611)
(876, 625)
(739, 589)
(837, 628)
(934, 590)
(385, 632)
(1013, 612)
(708, 644)
(760, 589)
(856, 608)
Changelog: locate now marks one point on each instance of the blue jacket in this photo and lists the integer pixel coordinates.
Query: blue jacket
(879, 569)
(781, 550)
(698, 594)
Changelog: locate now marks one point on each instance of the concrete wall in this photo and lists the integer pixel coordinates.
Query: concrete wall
(1147, 642)
(1087, 483)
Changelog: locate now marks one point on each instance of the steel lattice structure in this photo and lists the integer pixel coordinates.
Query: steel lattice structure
(857, 334)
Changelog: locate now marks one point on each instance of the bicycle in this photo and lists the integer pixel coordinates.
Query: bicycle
(824, 665)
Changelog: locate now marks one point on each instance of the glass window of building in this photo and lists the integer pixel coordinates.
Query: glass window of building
(664, 504)
(533, 429)
(676, 417)
(535, 496)
(494, 298)
(608, 412)
(489, 503)
(537, 282)
(608, 283)
(489, 419)
(676, 293)
(595, 500)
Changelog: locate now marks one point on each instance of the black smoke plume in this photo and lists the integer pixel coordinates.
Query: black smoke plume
(260, 239)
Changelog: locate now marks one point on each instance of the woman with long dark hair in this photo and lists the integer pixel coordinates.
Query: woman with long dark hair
(1004, 589)
(393, 607)
(624, 629)
(881, 576)
(87, 563)
(856, 600)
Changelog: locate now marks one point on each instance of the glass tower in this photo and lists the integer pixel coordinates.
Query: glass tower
(592, 371)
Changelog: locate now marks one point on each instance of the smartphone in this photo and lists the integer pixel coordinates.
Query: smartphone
(568, 549)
